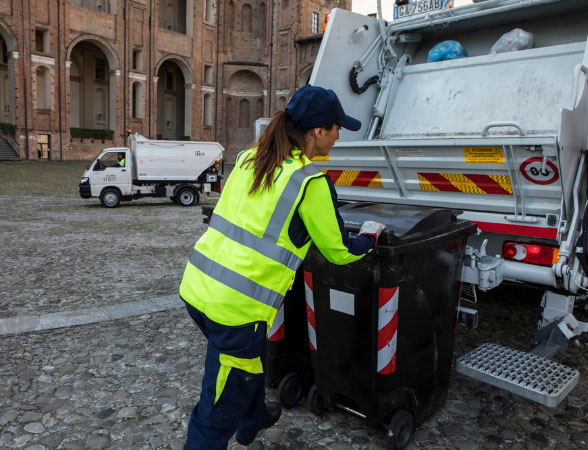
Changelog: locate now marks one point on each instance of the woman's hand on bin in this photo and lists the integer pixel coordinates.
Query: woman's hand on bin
(372, 228)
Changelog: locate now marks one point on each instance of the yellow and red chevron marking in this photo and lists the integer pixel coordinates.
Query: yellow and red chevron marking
(363, 178)
(464, 182)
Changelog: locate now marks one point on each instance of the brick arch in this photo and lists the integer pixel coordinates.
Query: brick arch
(182, 64)
(109, 52)
(246, 82)
(8, 36)
(304, 75)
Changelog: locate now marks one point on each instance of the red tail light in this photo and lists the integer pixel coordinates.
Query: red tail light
(327, 17)
(539, 254)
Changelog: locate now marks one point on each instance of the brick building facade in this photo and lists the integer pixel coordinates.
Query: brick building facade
(76, 74)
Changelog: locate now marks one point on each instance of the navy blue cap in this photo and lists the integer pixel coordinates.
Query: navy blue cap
(314, 107)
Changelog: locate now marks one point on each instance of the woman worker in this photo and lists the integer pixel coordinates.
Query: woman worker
(275, 203)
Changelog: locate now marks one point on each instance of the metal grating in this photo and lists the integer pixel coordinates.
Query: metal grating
(524, 374)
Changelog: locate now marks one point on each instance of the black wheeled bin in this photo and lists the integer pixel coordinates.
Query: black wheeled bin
(385, 325)
(288, 366)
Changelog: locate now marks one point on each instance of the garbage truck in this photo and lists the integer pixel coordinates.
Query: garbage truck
(500, 136)
(180, 170)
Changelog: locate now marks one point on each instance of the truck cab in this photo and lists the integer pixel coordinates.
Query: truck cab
(108, 171)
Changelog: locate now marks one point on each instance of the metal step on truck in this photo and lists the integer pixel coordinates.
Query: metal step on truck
(501, 137)
(180, 170)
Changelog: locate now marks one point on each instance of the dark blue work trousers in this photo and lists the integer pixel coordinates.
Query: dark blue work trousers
(240, 408)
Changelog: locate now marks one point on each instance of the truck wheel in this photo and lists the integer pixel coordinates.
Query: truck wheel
(399, 429)
(290, 390)
(186, 197)
(110, 198)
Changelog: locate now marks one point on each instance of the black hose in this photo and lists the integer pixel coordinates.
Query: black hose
(353, 81)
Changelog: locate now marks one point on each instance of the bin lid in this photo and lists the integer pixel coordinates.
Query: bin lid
(403, 222)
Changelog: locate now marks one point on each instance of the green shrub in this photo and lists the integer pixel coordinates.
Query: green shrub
(8, 128)
(184, 138)
(89, 133)
(159, 136)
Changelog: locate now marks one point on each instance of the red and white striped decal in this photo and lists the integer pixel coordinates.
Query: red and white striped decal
(310, 310)
(387, 330)
(276, 331)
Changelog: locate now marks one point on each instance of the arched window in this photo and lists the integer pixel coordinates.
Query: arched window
(209, 11)
(100, 105)
(207, 110)
(230, 115)
(230, 26)
(43, 89)
(262, 20)
(243, 113)
(259, 108)
(137, 100)
(246, 18)
(171, 17)
(282, 104)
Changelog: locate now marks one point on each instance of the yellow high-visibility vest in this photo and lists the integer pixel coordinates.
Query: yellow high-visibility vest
(241, 268)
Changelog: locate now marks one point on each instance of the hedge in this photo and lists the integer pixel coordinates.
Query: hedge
(7, 128)
(89, 133)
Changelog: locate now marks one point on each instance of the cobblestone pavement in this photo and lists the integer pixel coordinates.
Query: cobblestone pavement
(62, 253)
(131, 383)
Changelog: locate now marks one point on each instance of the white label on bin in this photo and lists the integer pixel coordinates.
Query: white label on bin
(343, 302)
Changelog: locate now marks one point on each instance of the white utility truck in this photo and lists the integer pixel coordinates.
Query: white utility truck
(180, 170)
(501, 137)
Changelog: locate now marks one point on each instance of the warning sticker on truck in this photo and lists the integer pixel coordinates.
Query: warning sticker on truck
(359, 178)
(321, 158)
(538, 171)
(483, 155)
(464, 182)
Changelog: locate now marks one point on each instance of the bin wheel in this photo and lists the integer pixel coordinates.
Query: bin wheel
(312, 401)
(399, 429)
(290, 390)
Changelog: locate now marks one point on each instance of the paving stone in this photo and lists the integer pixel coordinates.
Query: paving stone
(293, 433)
(508, 435)
(127, 412)
(30, 416)
(325, 426)
(34, 427)
(97, 442)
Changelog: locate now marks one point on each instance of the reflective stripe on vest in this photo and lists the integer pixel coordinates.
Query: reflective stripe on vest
(286, 201)
(266, 245)
(235, 281)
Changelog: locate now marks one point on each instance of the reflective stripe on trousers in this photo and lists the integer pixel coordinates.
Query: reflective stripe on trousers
(235, 358)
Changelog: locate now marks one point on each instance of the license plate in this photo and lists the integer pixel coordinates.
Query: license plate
(422, 7)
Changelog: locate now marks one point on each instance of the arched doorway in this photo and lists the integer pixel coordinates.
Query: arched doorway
(92, 87)
(245, 102)
(7, 111)
(174, 101)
